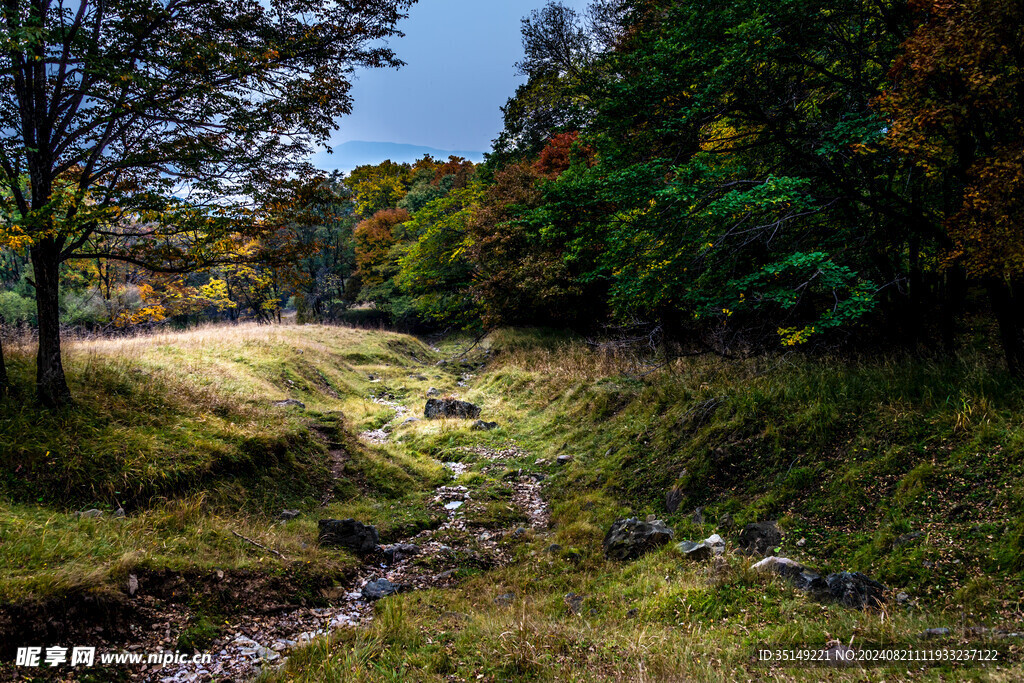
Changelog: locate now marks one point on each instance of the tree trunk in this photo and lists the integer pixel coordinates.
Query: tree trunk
(51, 384)
(1006, 305)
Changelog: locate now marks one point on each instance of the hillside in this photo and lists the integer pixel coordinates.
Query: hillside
(904, 469)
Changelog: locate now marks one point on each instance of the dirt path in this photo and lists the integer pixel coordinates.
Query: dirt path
(430, 559)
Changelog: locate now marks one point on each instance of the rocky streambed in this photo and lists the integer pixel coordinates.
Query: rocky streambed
(429, 559)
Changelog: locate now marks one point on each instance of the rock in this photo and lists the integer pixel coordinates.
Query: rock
(288, 514)
(726, 523)
(289, 403)
(674, 498)
(432, 391)
(410, 420)
(800, 576)
(628, 539)
(780, 565)
(698, 516)
(133, 584)
(934, 633)
(89, 514)
(505, 599)
(705, 550)
(907, 538)
(574, 603)
(801, 543)
(554, 548)
(564, 459)
(119, 513)
(348, 533)
(573, 556)
(399, 551)
(450, 407)
(853, 589)
(902, 598)
(760, 538)
(633, 613)
(375, 590)
(481, 426)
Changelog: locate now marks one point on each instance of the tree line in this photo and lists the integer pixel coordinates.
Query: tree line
(731, 177)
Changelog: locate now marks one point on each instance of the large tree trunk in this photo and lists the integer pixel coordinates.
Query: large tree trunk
(51, 384)
(1006, 304)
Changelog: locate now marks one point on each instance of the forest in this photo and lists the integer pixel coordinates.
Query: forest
(732, 179)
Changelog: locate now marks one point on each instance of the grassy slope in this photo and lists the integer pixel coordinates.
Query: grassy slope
(847, 455)
(180, 430)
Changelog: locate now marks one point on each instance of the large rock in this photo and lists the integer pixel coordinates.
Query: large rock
(375, 590)
(854, 589)
(628, 539)
(760, 538)
(348, 533)
(450, 407)
(481, 426)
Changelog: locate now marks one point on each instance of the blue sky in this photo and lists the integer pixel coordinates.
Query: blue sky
(460, 57)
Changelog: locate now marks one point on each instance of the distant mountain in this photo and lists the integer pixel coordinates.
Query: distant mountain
(348, 155)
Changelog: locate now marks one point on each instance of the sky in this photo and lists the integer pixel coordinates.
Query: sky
(460, 68)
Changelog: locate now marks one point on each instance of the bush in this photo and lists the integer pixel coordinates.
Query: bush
(16, 309)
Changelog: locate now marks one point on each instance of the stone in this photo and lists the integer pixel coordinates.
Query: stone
(934, 633)
(698, 516)
(432, 391)
(902, 598)
(381, 588)
(574, 603)
(288, 514)
(450, 407)
(289, 403)
(801, 543)
(800, 576)
(399, 551)
(760, 538)
(481, 426)
(564, 459)
(505, 599)
(89, 514)
(710, 547)
(628, 539)
(726, 522)
(348, 533)
(133, 584)
(907, 538)
(554, 548)
(853, 589)
(674, 498)
(119, 513)
(633, 613)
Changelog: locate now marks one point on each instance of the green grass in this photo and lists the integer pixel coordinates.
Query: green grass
(907, 469)
(179, 430)
(851, 455)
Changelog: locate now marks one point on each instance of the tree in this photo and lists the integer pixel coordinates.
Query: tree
(138, 108)
(956, 109)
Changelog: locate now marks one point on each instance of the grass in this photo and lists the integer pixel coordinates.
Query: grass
(180, 430)
(907, 469)
(904, 468)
